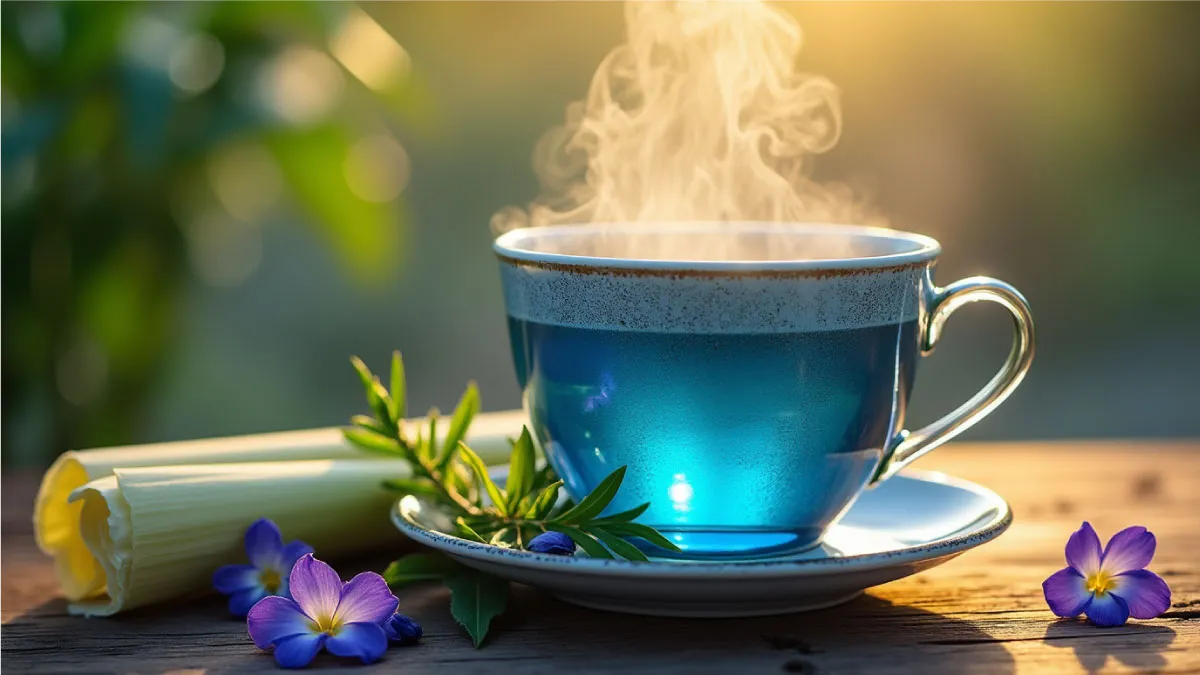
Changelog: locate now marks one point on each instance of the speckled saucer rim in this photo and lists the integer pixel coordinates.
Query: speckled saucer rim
(782, 567)
(507, 247)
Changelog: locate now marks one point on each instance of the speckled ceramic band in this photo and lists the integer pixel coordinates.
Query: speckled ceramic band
(633, 300)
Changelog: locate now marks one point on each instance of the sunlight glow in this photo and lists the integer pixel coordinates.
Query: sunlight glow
(246, 180)
(681, 493)
(377, 168)
(369, 52)
(196, 64)
(301, 85)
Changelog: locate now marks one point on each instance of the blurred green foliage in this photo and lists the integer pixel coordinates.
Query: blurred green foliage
(117, 121)
(188, 261)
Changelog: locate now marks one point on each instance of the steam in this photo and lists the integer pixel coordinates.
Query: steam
(700, 116)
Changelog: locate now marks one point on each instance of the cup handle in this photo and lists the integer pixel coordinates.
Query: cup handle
(906, 446)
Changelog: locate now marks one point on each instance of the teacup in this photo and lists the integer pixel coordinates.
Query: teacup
(753, 377)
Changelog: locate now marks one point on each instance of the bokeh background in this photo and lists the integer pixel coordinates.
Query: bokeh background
(207, 208)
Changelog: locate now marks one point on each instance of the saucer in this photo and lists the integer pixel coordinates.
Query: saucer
(913, 521)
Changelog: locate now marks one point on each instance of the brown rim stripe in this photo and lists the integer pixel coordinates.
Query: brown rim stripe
(609, 270)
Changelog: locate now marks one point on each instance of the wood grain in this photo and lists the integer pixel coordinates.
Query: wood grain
(982, 612)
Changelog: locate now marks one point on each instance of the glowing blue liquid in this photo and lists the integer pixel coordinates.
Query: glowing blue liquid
(742, 444)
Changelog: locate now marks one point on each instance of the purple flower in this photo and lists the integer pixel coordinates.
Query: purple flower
(267, 573)
(343, 618)
(402, 630)
(554, 543)
(1110, 585)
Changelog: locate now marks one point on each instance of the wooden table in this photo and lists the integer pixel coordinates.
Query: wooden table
(982, 612)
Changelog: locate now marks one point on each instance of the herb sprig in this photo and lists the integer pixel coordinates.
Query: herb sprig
(453, 475)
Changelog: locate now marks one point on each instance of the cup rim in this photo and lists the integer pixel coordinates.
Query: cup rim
(509, 248)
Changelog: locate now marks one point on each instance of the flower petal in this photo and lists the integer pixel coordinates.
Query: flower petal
(1107, 609)
(275, 618)
(1083, 550)
(241, 602)
(1066, 592)
(233, 578)
(291, 553)
(366, 641)
(402, 629)
(366, 597)
(315, 587)
(1130, 549)
(263, 544)
(554, 543)
(298, 651)
(1144, 591)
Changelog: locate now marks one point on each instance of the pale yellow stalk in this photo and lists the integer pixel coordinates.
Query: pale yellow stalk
(160, 532)
(82, 574)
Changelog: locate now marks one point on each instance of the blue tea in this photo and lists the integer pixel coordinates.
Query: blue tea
(752, 377)
(708, 424)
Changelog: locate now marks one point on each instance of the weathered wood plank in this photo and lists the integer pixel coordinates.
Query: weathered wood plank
(980, 613)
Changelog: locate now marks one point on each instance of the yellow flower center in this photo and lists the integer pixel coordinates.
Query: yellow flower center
(330, 625)
(270, 580)
(1100, 582)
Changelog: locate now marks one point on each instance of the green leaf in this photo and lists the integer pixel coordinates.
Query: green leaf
(365, 235)
(545, 502)
(296, 18)
(618, 545)
(486, 530)
(93, 32)
(370, 424)
(523, 506)
(381, 404)
(417, 567)
(399, 405)
(586, 542)
(429, 449)
(624, 516)
(419, 448)
(464, 412)
(544, 476)
(590, 506)
(377, 396)
(413, 486)
(482, 478)
(367, 377)
(372, 441)
(467, 531)
(475, 599)
(520, 470)
(364, 373)
(642, 531)
(460, 483)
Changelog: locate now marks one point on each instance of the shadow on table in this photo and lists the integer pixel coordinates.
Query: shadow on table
(538, 634)
(1134, 645)
(867, 634)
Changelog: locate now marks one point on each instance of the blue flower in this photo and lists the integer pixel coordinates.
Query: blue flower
(1108, 585)
(402, 630)
(554, 543)
(267, 574)
(345, 619)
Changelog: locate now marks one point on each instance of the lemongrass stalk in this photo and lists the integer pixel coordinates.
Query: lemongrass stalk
(159, 532)
(56, 521)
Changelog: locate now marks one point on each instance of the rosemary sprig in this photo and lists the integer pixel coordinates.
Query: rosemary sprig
(454, 475)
